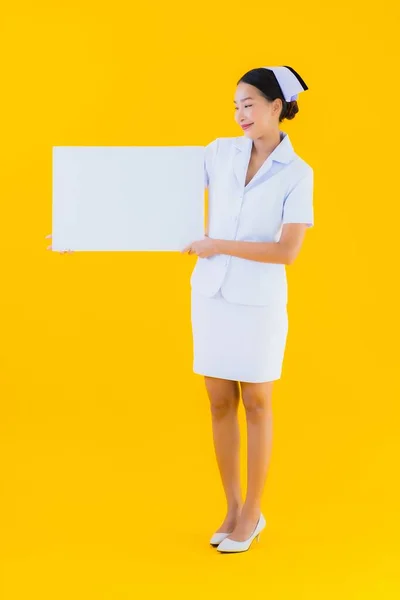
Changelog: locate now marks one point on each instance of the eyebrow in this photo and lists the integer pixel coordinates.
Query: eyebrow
(243, 99)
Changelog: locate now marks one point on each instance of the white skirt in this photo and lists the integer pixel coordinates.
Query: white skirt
(238, 342)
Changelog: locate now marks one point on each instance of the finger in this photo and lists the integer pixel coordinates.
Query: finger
(185, 249)
(48, 236)
(49, 247)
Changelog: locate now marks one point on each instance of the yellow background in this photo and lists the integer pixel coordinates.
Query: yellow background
(108, 480)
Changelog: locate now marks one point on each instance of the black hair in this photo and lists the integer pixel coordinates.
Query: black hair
(266, 82)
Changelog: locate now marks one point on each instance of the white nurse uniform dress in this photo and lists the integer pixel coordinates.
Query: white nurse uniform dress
(239, 306)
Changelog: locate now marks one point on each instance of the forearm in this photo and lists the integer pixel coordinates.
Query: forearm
(269, 252)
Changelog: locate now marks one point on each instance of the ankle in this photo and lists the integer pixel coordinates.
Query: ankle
(235, 508)
(251, 509)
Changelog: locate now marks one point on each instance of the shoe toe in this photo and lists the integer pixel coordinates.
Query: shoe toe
(217, 538)
(228, 545)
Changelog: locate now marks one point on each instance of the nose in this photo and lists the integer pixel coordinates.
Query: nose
(238, 113)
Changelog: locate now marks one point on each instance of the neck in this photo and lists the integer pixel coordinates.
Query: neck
(267, 143)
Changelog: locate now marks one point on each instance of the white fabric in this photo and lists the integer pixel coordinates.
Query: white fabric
(237, 342)
(280, 192)
(288, 82)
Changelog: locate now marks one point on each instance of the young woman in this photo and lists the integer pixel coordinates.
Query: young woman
(260, 204)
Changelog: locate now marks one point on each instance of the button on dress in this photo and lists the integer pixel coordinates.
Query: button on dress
(239, 306)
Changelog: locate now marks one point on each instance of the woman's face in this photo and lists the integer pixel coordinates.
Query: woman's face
(252, 107)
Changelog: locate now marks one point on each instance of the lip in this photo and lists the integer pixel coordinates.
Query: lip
(247, 126)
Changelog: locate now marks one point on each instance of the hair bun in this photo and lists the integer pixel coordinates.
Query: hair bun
(291, 109)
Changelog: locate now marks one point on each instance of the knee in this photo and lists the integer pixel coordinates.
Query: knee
(256, 401)
(221, 405)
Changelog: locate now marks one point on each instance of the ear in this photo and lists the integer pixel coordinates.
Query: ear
(278, 105)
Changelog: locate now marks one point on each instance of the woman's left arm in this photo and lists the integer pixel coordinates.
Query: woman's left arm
(284, 251)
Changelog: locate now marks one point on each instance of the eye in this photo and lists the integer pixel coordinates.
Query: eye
(246, 106)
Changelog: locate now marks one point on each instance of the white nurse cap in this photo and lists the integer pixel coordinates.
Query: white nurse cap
(289, 81)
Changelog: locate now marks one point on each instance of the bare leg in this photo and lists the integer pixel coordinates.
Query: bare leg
(257, 401)
(224, 399)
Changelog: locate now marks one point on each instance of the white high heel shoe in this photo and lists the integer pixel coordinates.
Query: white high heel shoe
(228, 545)
(218, 537)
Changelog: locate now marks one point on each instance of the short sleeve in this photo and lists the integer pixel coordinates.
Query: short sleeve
(209, 154)
(298, 204)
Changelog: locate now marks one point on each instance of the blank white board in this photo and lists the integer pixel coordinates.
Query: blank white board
(145, 198)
